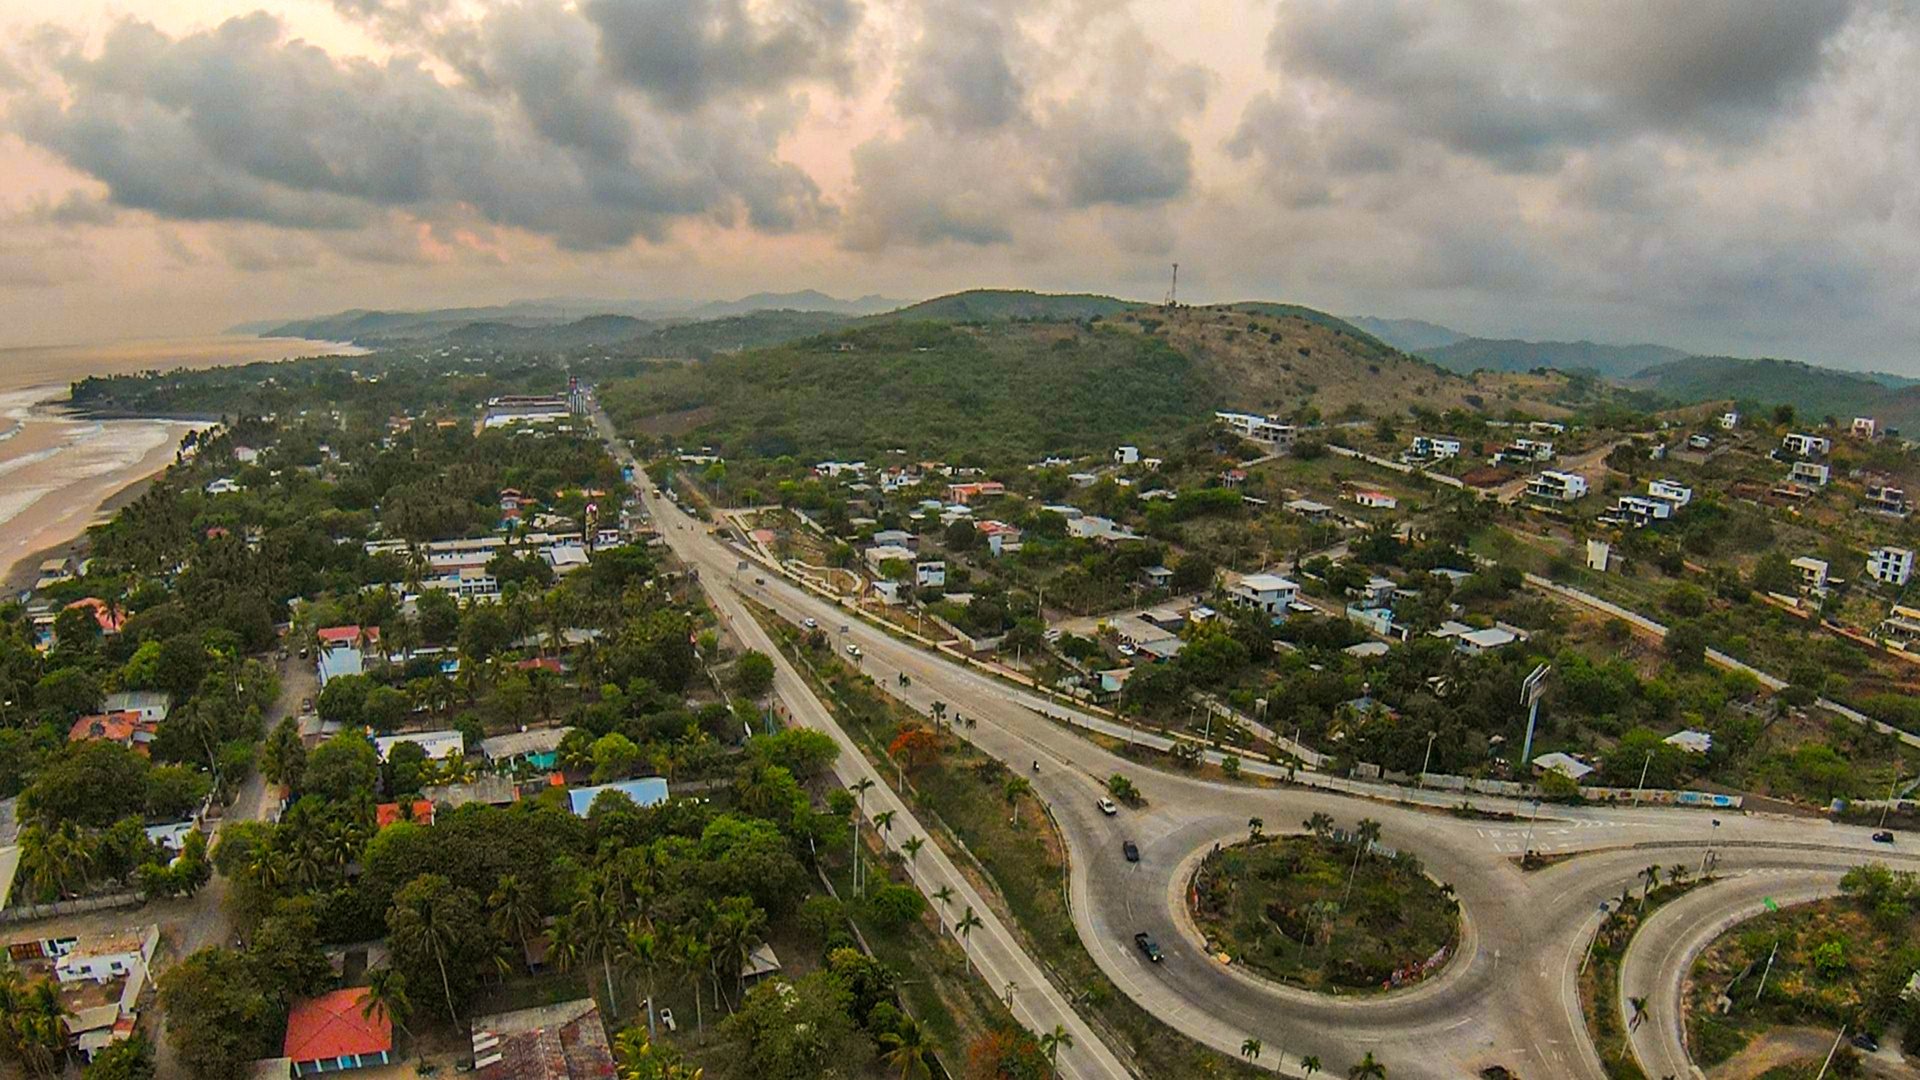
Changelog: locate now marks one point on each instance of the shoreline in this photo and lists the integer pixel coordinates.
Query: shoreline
(26, 570)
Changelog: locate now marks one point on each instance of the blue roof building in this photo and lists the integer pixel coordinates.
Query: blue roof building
(646, 791)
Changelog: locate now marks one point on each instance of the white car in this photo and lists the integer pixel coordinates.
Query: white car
(1127, 649)
(853, 651)
(810, 623)
(1107, 807)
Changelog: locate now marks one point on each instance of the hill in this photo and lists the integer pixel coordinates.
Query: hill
(1408, 335)
(804, 300)
(993, 391)
(600, 330)
(1814, 391)
(1493, 354)
(709, 337)
(994, 305)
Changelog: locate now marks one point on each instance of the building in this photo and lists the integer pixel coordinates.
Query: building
(1901, 627)
(1374, 500)
(99, 979)
(1865, 427)
(1433, 448)
(1565, 764)
(526, 409)
(152, 705)
(895, 538)
(1126, 455)
(565, 558)
(930, 574)
(1810, 473)
(1307, 508)
(127, 728)
(1890, 565)
(109, 618)
(1094, 527)
(100, 958)
(1691, 741)
(567, 1041)
(333, 1033)
(437, 745)
(1001, 537)
(1475, 642)
(1672, 491)
(881, 554)
(965, 494)
(1813, 573)
(1699, 442)
(1553, 485)
(1729, 421)
(419, 811)
(1637, 511)
(1806, 446)
(1269, 593)
(1884, 498)
(1260, 429)
(1157, 577)
(646, 791)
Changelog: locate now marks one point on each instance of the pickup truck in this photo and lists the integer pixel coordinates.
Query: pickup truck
(1148, 947)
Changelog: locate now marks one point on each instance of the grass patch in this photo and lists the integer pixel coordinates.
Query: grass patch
(1283, 907)
(1600, 979)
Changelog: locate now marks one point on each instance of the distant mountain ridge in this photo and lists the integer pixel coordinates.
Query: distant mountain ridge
(995, 305)
(1608, 361)
(1408, 335)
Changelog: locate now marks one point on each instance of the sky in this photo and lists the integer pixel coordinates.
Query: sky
(1726, 176)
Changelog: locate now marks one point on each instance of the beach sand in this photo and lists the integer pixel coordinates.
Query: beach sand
(60, 473)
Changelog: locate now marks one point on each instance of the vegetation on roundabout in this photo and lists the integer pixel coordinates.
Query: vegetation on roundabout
(1849, 960)
(1328, 910)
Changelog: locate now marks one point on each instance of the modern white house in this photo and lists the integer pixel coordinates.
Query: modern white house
(1553, 485)
(1890, 565)
(1865, 427)
(1638, 511)
(1806, 446)
(1261, 429)
(1811, 473)
(1375, 500)
(1884, 498)
(1672, 491)
(1268, 593)
(1433, 447)
(152, 705)
(436, 744)
(1729, 420)
(930, 574)
(1813, 573)
(1127, 455)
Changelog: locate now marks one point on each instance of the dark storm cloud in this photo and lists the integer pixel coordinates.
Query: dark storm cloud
(1519, 85)
(684, 53)
(960, 74)
(241, 124)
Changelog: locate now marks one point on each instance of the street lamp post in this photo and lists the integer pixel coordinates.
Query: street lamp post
(1648, 764)
(1526, 855)
(1893, 792)
(1428, 759)
(1595, 938)
(1708, 857)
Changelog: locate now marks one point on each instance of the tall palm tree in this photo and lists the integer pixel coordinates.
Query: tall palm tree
(1310, 1064)
(1364, 835)
(1051, 1044)
(427, 928)
(387, 997)
(884, 821)
(640, 948)
(911, 847)
(694, 956)
(1016, 786)
(513, 911)
(967, 924)
(637, 1058)
(1320, 824)
(1250, 1049)
(859, 788)
(1651, 875)
(1255, 826)
(908, 1050)
(1367, 1069)
(591, 930)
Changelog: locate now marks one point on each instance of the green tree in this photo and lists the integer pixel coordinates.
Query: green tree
(342, 769)
(219, 1018)
(436, 930)
(128, 1059)
(752, 674)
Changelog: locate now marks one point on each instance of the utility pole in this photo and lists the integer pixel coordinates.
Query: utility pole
(1173, 290)
(1427, 760)
(1643, 777)
(1592, 941)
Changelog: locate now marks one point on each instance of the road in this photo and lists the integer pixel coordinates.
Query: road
(1509, 998)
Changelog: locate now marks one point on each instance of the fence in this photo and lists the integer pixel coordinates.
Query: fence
(19, 913)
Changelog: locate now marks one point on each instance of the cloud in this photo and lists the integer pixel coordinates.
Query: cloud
(241, 123)
(959, 76)
(685, 53)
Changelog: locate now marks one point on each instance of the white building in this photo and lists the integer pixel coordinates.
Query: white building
(1127, 455)
(1553, 485)
(1433, 447)
(880, 554)
(437, 745)
(1806, 446)
(1262, 429)
(1883, 498)
(102, 958)
(1729, 420)
(1890, 565)
(1269, 593)
(1375, 500)
(930, 574)
(1638, 511)
(526, 409)
(1812, 473)
(1865, 427)
(1813, 572)
(152, 705)
(1672, 491)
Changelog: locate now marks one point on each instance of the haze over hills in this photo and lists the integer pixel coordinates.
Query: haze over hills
(1408, 335)
(1608, 361)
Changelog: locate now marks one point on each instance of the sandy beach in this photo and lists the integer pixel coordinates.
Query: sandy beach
(60, 473)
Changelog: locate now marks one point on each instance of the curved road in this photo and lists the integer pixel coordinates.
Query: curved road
(1508, 999)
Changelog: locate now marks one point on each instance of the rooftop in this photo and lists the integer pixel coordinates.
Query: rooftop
(333, 1026)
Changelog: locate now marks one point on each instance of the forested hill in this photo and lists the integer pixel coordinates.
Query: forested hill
(1814, 391)
(1609, 361)
(993, 305)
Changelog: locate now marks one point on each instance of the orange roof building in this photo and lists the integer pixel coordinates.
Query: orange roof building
(110, 621)
(130, 729)
(332, 1033)
(387, 813)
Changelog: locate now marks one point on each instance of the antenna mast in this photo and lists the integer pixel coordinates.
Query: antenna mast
(1173, 290)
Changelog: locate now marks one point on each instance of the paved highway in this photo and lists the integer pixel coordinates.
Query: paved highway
(1509, 997)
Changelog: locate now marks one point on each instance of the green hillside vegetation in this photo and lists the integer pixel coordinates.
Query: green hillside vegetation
(1813, 391)
(997, 391)
(994, 305)
(1408, 335)
(1370, 344)
(1489, 354)
(592, 330)
(709, 337)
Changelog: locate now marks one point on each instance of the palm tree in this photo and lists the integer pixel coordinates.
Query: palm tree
(1050, 1045)
(884, 821)
(1651, 875)
(33, 1022)
(426, 928)
(387, 996)
(911, 846)
(513, 911)
(1638, 1005)
(1310, 1064)
(737, 928)
(907, 1050)
(1364, 834)
(638, 1059)
(1255, 826)
(692, 955)
(1678, 873)
(1250, 1049)
(859, 788)
(967, 924)
(591, 930)
(640, 948)
(1320, 824)
(1016, 786)
(1367, 1069)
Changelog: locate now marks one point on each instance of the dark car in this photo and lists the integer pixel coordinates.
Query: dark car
(1148, 947)
(1131, 850)
(1884, 836)
(1865, 1041)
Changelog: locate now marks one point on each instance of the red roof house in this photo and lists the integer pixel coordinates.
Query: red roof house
(331, 1033)
(110, 621)
(387, 813)
(130, 729)
(332, 636)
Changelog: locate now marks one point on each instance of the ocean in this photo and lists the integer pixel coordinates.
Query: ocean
(56, 470)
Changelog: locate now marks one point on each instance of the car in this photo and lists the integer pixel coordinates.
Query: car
(1107, 807)
(759, 581)
(810, 623)
(1884, 836)
(306, 704)
(853, 651)
(1127, 649)
(1148, 947)
(1131, 850)
(1863, 1040)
